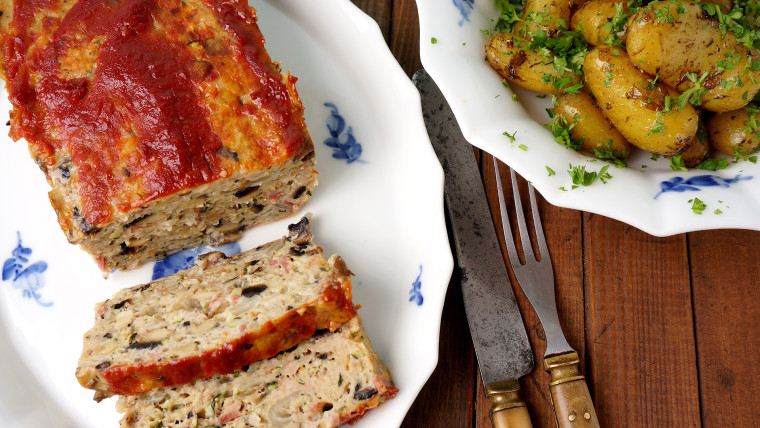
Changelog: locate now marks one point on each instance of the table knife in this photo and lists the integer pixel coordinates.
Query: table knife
(498, 333)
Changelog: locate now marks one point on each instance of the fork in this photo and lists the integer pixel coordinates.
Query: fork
(572, 402)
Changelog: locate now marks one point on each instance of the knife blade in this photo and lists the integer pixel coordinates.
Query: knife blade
(498, 334)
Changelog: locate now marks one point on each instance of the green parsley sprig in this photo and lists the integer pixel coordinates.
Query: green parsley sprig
(581, 177)
(510, 12)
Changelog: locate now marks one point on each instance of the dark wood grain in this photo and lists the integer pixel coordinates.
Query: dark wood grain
(667, 327)
(640, 348)
(405, 35)
(725, 282)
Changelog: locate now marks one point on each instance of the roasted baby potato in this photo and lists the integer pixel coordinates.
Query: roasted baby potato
(698, 150)
(588, 125)
(509, 55)
(676, 41)
(736, 132)
(596, 18)
(550, 16)
(636, 105)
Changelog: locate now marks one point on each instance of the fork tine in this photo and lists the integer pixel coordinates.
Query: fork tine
(514, 258)
(524, 236)
(542, 249)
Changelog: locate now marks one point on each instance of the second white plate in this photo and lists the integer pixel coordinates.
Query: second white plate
(647, 194)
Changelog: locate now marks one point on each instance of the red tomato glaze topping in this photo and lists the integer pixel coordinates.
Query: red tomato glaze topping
(137, 121)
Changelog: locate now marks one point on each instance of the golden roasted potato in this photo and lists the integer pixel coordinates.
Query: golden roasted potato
(735, 132)
(547, 15)
(594, 18)
(636, 105)
(588, 125)
(698, 150)
(676, 41)
(509, 55)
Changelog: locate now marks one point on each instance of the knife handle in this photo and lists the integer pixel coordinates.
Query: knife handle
(572, 402)
(508, 410)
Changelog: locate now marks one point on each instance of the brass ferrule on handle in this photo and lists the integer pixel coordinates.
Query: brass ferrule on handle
(508, 410)
(572, 401)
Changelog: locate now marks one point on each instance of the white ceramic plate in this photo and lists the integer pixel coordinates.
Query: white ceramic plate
(382, 212)
(647, 194)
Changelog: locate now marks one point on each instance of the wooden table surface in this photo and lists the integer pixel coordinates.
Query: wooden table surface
(667, 328)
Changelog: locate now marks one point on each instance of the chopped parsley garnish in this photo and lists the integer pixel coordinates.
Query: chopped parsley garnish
(616, 26)
(510, 12)
(697, 206)
(433, 40)
(694, 94)
(713, 164)
(659, 126)
(677, 164)
(561, 131)
(551, 171)
(510, 136)
(581, 177)
(607, 154)
(740, 20)
(652, 83)
(569, 49)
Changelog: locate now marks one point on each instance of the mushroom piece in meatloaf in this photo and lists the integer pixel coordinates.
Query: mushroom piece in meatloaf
(216, 317)
(326, 381)
(159, 124)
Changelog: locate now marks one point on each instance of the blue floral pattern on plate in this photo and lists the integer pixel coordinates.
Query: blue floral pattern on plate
(345, 145)
(29, 278)
(186, 259)
(465, 8)
(416, 293)
(680, 184)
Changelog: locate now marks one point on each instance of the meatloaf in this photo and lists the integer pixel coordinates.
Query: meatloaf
(159, 124)
(216, 317)
(328, 380)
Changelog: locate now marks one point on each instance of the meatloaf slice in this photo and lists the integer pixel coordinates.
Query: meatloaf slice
(326, 381)
(216, 317)
(159, 124)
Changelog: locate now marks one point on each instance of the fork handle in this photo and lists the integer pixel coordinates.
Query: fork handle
(508, 410)
(572, 402)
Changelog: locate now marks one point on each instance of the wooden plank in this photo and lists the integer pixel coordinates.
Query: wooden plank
(725, 271)
(562, 228)
(640, 348)
(405, 35)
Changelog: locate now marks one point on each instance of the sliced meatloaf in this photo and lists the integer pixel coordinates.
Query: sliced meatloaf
(159, 124)
(326, 381)
(216, 317)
